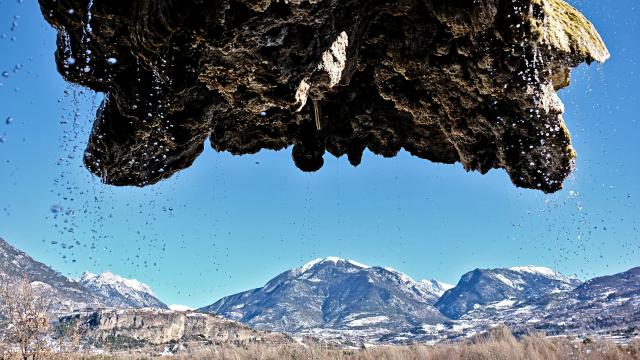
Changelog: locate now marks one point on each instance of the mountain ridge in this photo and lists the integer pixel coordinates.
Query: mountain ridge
(121, 292)
(15, 265)
(526, 298)
(89, 292)
(484, 286)
(333, 292)
(347, 302)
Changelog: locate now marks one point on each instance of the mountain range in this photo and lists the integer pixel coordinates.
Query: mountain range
(334, 293)
(15, 265)
(347, 302)
(485, 286)
(90, 292)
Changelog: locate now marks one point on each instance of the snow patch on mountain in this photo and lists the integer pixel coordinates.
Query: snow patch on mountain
(511, 283)
(543, 271)
(180, 308)
(110, 279)
(435, 287)
(371, 320)
(332, 260)
(120, 291)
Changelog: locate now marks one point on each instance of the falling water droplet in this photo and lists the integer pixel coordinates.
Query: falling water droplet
(5, 74)
(112, 61)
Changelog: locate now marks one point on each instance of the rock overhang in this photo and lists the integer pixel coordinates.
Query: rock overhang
(459, 81)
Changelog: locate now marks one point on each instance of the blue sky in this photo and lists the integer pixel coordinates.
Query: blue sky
(229, 223)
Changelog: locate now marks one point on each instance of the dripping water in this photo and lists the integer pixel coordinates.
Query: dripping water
(86, 37)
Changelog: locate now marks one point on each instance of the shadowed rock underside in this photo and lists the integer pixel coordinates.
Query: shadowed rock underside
(458, 81)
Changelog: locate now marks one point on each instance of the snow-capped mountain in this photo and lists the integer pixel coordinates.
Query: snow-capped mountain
(608, 303)
(15, 265)
(120, 292)
(350, 303)
(481, 287)
(336, 294)
(91, 292)
(622, 285)
(347, 302)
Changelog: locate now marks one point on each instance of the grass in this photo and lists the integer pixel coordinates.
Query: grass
(497, 345)
(568, 30)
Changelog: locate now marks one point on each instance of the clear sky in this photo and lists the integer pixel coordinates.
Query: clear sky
(229, 223)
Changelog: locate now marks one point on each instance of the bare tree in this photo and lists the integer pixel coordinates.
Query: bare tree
(5, 349)
(25, 312)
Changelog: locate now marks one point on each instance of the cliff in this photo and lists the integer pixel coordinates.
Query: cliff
(149, 328)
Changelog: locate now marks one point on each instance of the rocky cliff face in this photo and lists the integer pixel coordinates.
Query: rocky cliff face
(141, 328)
(457, 81)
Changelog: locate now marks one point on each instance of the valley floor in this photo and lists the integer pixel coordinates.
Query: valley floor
(499, 344)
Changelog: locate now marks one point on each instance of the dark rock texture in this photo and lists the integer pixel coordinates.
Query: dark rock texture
(449, 81)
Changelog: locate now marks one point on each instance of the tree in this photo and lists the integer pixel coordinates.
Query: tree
(25, 310)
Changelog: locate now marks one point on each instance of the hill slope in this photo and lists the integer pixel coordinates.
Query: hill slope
(69, 294)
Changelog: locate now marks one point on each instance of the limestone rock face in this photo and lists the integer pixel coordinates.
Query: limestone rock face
(448, 81)
(138, 328)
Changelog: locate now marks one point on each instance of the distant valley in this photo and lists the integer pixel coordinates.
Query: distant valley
(346, 302)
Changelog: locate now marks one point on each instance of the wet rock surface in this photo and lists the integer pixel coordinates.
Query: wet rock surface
(458, 81)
